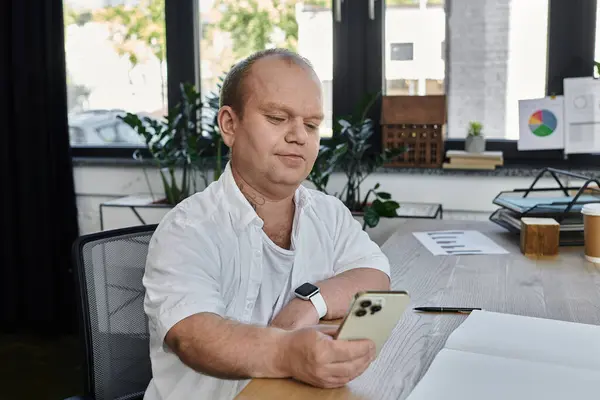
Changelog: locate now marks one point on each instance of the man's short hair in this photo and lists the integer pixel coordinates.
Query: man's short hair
(233, 91)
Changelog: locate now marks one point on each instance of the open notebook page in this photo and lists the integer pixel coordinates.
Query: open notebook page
(458, 375)
(534, 339)
(501, 356)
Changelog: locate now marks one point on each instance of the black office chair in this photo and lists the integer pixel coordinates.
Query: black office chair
(114, 328)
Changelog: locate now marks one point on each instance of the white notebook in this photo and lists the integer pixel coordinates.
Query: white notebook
(496, 356)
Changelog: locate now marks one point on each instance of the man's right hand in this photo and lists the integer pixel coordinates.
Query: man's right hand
(314, 357)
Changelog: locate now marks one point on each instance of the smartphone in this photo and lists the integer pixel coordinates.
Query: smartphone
(373, 315)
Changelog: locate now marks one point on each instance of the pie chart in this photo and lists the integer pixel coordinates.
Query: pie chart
(542, 123)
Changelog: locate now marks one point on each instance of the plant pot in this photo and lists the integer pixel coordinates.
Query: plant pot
(475, 144)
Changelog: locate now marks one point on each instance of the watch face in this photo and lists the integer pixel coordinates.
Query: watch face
(306, 289)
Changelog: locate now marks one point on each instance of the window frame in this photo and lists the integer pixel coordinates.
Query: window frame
(359, 68)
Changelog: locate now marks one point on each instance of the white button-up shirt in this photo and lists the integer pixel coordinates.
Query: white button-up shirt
(206, 256)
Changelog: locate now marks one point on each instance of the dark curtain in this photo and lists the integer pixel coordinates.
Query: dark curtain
(39, 215)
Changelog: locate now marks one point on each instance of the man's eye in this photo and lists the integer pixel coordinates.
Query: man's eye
(275, 119)
(312, 127)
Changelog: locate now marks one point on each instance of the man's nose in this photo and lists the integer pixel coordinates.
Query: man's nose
(298, 132)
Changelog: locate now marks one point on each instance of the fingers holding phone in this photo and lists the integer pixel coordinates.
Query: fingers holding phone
(327, 356)
(314, 358)
(328, 329)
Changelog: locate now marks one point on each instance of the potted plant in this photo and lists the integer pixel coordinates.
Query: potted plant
(475, 142)
(348, 151)
(182, 142)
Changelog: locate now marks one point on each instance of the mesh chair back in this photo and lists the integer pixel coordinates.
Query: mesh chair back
(110, 266)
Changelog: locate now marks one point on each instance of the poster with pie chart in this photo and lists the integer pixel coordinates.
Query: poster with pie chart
(541, 125)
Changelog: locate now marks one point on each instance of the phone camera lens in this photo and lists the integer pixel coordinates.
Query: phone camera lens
(375, 308)
(361, 313)
(365, 303)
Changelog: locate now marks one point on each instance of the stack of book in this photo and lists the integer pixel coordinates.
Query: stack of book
(488, 160)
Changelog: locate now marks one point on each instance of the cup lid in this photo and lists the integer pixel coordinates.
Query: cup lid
(591, 209)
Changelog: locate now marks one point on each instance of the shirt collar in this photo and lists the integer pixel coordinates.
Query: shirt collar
(241, 212)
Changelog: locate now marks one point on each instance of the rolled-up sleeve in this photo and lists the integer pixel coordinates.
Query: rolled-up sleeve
(182, 276)
(353, 246)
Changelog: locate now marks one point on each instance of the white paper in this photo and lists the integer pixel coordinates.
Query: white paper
(582, 115)
(456, 243)
(528, 338)
(541, 124)
(456, 375)
(500, 356)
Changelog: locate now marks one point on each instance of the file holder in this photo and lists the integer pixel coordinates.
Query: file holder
(566, 209)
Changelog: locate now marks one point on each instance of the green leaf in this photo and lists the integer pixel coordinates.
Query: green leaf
(385, 208)
(371, 217)
(376, 186)
(384, 195)
(390, 207)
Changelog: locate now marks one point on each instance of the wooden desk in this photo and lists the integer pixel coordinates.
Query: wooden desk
(565, 287)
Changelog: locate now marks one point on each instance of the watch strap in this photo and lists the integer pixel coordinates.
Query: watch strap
(319, 303)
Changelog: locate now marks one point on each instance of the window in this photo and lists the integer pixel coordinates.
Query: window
(484, 55)
(434, 87)
(232, 30)
(401, 51)
(489, 64)
(116, 63)
(423, 29)
(402, 87)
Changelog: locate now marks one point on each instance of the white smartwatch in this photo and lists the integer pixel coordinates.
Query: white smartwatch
(308, 291)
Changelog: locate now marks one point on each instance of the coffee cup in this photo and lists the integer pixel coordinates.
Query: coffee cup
(591, 231)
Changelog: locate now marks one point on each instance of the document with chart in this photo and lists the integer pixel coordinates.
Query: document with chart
(456, 243)
(541, 124)
(582, 115)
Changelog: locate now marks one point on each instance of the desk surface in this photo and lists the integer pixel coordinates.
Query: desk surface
(565, 287)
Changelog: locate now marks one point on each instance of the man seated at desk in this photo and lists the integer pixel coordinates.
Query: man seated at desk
(225, 266)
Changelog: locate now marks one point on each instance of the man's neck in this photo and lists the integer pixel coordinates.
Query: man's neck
(270, 208)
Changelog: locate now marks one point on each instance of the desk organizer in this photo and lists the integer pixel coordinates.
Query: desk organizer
(536, 202)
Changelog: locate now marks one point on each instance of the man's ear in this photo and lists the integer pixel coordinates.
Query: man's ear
(227, 122)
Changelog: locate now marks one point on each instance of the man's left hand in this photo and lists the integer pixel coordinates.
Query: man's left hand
(296, 314)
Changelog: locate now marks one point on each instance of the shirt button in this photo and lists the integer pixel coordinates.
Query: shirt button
(248, 305)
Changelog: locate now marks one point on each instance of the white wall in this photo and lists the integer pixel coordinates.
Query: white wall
(461, 196)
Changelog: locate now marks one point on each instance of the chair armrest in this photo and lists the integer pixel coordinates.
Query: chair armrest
(80, 398)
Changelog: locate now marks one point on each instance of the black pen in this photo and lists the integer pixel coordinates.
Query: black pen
(446, 309)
